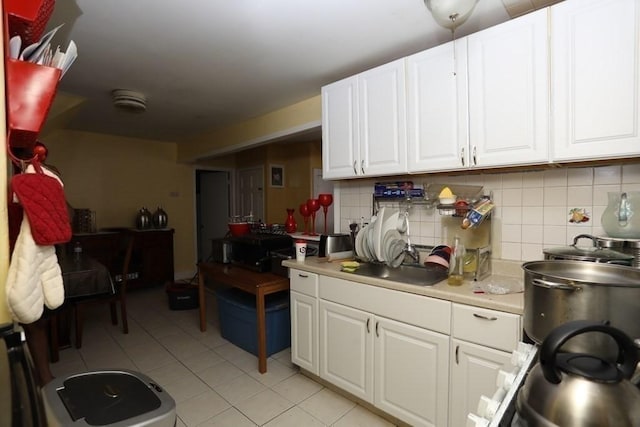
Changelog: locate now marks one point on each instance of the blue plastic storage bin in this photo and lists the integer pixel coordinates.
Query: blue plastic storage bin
(237, 311)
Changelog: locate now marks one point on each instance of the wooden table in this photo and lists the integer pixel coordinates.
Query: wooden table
(258, 284)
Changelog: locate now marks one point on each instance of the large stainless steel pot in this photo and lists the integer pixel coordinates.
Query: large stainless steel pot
(559, 291)
(595, 253)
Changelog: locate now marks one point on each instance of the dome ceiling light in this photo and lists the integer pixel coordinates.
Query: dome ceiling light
(450, 13)
(129, 100)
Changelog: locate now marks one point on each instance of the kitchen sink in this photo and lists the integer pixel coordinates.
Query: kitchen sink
(414, 274)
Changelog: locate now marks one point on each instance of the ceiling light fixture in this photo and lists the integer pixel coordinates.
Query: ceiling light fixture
(450, 13)
(129, 100)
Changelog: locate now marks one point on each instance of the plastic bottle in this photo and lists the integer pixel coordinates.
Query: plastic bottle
(77, 251)
(456, 263)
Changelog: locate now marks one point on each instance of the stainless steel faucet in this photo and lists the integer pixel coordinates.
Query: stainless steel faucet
(409, 249)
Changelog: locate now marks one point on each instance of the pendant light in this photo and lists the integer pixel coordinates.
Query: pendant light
(450, 13)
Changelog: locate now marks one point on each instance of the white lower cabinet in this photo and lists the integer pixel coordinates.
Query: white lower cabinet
(400, 368)
(423, 360)
(411, 373)
(474, 369)
(304, 320)
(346, 355)
(481, 344)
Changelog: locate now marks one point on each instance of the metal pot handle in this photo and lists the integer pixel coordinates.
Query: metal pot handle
(553, 285)
(627, 352)
(585, 236)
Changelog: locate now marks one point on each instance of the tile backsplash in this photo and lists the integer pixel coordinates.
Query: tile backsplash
(533, 210)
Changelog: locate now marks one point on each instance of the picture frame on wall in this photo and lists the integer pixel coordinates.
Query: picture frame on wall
(276, 176)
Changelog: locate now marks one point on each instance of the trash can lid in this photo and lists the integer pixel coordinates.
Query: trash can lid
(105, 398)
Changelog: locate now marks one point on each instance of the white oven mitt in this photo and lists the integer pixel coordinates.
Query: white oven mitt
(34, 277)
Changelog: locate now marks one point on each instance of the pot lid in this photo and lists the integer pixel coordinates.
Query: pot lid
(586, 273)
(588, 253)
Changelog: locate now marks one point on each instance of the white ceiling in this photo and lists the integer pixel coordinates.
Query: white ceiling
(204, 64)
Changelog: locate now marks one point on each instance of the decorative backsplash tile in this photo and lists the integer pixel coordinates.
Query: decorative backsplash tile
(533, 209)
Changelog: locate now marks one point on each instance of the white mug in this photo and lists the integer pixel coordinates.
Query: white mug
(301, 250)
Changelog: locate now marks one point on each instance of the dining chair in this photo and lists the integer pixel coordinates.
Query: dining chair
(119, 270)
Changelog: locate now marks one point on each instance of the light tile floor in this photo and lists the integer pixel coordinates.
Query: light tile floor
(213, 382)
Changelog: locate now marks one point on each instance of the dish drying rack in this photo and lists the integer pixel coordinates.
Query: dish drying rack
(429, 198)
(479, 254)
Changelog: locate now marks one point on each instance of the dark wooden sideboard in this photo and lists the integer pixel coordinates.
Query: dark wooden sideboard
(152, 258)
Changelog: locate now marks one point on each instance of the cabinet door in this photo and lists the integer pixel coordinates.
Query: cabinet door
(474, 370)
(595, 75)
(509, 92)
(382, 120)
(340, 138)
(411, 373)
(304, 332)
(154, 250)
(346, 349)
(437, 108)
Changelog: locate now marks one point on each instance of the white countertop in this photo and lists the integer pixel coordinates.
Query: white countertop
(511, 303)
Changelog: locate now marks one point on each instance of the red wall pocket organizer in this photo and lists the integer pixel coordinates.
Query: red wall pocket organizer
(28, 18)
(30, 87)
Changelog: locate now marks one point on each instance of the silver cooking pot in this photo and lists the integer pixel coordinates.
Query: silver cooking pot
(559, 291)
(595, 253)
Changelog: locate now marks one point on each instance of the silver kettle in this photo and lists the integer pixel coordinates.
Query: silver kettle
(575, 389)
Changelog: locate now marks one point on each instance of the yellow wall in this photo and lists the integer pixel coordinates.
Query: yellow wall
(116, 176)
(300, 116)
(298, 180)
(298, 160)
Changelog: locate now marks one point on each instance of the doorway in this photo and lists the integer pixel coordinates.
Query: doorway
(213, 202)
(251, 193)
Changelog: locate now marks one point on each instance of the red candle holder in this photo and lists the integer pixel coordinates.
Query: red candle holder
(304, 211)
(314, 206)
(325, 201)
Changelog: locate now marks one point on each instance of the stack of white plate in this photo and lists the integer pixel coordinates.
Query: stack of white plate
(375, 242)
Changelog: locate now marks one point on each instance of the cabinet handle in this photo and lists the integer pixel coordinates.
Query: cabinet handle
(457, 358)
(480, 316)
(462, 156)
(368, 320)
(362, 167)
(355, 171)
(377, 334)
(475, 161)
(304, 276)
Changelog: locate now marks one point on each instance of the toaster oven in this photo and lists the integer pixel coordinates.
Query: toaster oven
(253, 251)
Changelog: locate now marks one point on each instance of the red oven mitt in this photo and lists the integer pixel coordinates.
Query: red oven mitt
(44, 204)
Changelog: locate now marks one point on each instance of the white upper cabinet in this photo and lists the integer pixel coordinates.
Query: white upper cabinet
(437, 108)
(340, 130)
(509, 93)
(595, 79)
(364, 124)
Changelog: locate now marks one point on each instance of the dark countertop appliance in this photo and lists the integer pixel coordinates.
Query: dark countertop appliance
(253, 251)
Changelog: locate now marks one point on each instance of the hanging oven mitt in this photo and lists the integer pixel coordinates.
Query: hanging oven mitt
(34, 278)
(41, 194)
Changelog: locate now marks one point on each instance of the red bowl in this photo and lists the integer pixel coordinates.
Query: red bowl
(239, 228)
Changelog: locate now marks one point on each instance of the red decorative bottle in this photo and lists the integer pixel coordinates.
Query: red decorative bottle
(290, 225)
